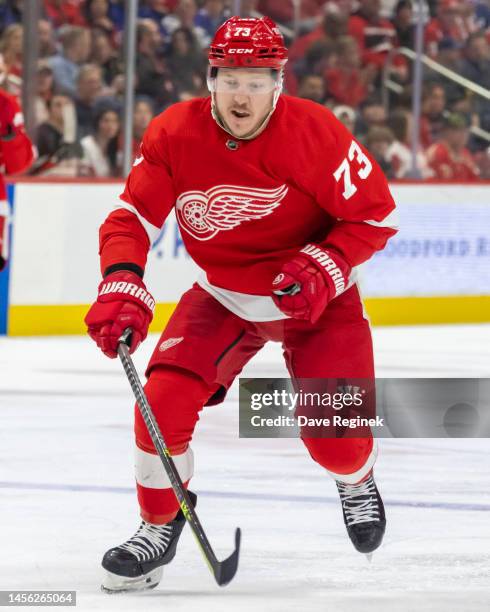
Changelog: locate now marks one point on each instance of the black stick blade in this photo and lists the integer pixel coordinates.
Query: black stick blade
(225, 570)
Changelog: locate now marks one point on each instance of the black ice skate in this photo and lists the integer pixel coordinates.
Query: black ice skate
(138, 563)
(364, 514)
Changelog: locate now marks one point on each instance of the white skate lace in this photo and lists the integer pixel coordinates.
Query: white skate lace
(359, 501)
(149, 541)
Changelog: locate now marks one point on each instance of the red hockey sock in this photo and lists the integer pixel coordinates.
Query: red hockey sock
(347, 459)
(176, 397)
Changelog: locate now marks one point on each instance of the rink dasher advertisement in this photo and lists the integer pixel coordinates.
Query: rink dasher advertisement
(442, 248)
(442, 252)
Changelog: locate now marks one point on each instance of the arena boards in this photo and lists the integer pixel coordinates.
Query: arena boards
(435, 270)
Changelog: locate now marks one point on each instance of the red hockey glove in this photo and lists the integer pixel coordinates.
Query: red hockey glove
(309, 281)
(123, 301)
(7, 115)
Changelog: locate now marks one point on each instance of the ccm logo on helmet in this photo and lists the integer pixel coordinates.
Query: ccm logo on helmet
(240, 51)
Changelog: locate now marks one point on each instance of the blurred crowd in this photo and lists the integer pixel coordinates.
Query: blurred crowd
(340, 52)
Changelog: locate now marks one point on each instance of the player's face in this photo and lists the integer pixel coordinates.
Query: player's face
(244, 97)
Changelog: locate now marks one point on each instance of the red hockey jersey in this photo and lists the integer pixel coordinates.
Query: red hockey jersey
(246, 206)
(16, 154)
(450, 167)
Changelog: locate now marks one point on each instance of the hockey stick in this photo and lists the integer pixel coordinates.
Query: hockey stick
(289, 290)
(223, 571)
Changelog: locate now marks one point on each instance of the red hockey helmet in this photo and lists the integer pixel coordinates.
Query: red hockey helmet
(249, 43)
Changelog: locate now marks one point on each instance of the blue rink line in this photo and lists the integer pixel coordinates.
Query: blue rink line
(310, 499)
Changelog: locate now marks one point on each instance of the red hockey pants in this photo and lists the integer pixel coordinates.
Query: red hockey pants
(201, 351)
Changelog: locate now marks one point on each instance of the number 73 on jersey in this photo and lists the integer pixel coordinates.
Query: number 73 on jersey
(364, 167)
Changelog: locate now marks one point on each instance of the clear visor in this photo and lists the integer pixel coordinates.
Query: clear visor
(247, 82)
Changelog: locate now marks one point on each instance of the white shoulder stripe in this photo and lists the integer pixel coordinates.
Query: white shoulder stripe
(390, 220)
(151, 230)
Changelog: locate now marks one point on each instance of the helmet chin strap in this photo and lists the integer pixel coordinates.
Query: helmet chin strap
(262, 125)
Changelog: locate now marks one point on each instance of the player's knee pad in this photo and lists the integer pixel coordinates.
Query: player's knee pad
(347, 459)
(176, 397)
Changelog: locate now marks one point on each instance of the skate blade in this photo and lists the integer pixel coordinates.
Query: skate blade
(113, 583)
(369, 557)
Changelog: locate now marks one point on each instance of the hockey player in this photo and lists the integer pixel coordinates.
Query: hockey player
(278, 204)
(16, 154)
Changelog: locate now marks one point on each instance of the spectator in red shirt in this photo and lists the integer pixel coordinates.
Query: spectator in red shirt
(334, 26)
(60, 12)
(347, 83)
(375, 36)
(447, 24)
(450, 159)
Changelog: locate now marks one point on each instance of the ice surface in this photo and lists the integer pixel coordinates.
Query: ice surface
(67, 491)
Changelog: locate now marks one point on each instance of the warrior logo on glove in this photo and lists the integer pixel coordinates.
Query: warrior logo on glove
(324, 259)
(309, 281)
(122, 302)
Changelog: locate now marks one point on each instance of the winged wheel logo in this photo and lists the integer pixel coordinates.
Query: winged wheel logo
(203, 214)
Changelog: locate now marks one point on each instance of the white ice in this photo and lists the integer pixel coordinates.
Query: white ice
(67, 491)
